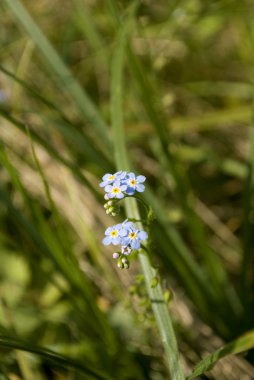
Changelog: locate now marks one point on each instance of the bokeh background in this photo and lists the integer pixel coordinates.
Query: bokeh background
(188, 111)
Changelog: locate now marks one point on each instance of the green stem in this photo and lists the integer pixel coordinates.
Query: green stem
(159, 306)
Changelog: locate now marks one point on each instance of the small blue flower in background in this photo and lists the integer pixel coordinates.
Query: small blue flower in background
(107, 179)
(134, 183)
(115, 190)
(114, 235)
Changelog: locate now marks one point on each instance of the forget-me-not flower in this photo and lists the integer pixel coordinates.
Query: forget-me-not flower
(134, 183)
(114, 235)
(134, 238)
(108, 179)
(129, 238)
(115, 190)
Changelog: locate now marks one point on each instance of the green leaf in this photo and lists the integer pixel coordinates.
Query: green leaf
(51, 356)
(244, 343)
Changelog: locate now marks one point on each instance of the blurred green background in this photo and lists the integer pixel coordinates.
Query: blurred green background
(188, 110)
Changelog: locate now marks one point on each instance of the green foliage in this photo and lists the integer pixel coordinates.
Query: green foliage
(174, 82)
(241, 344)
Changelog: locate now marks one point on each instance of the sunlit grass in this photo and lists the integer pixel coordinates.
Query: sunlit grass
(186, 108)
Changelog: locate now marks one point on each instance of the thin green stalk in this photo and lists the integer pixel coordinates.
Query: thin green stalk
(159, 306)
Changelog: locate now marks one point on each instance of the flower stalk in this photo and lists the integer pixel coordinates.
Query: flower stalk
(155, 293)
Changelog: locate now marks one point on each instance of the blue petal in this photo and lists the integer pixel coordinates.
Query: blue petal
(128, 225)
(130, 191)
(106, 240)
(116, 183)
(141, 178)
(105, 177)
(108, 230)
(142, 235)
(131, 175)
(116, 240)
(120, 175)
(135, 244)
(126, 240)
(108, 188)
(140, 188)
(123, 175)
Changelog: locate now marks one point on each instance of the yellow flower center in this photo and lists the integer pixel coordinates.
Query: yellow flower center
(132, 235)
(113, 233)
(115, 190)
(133, 182)
(111, 177)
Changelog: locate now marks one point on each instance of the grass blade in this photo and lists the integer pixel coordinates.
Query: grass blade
(65, 76)
(241, 344)
(48, 147)
(70, 132)
(51, 356)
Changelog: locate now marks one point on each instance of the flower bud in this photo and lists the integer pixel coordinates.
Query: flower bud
(126, 250)
(116, 255)
(120, 265)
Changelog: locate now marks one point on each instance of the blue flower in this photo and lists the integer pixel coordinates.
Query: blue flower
(114, 235)
(134, 238)
(115, 190)
(134, 183)
(107, 179)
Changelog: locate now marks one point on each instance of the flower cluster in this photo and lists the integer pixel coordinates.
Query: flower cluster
(118, 186)
(121, 184)
(126, 235)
